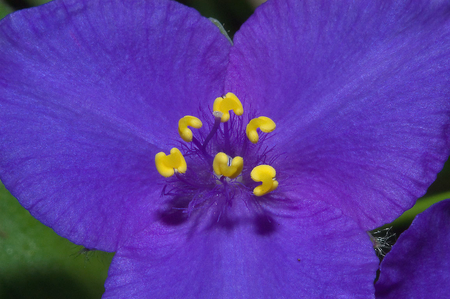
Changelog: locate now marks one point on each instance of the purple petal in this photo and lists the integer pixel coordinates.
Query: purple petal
(360, 94)
(306, 251)
(89, 92)
(418, 266)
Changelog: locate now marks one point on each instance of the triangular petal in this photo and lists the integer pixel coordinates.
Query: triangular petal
(305, 251)
(360, 92)
(90, 91)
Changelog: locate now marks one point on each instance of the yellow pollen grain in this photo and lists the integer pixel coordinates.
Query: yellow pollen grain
(265, 124)
(221, 167)
(167, 164)
(184, 131)
(265, 174)
(227, 103)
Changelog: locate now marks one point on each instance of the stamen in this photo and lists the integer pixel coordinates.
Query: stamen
(227, 103)
(183, 129)
(222, 187)
(265, 124)
(266, 175)
(217, 118)
(166, 164)
(222, 166)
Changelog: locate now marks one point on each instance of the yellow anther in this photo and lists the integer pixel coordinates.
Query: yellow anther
(222, 166)
(166, 164)
(227, 103)
(183, 124)
(265, 124)
(266, 175)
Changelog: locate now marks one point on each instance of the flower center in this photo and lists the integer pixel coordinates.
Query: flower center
(214, 166)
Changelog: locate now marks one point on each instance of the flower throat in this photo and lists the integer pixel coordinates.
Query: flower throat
(219, 161)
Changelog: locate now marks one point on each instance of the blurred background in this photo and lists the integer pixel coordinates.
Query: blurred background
(230, 12)
(37, 263)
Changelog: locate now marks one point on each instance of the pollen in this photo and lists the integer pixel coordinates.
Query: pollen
(183, 124)
(168, 164)
(224, 165)
(223, 149)
(265, 174)
(265, 124)
(227, 103)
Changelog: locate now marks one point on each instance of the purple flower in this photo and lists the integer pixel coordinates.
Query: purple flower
(418, 266)
(92, 91)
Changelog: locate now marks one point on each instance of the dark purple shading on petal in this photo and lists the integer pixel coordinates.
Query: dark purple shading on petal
(89, 92)
(308, 251)
(360, 92)
(418, 266)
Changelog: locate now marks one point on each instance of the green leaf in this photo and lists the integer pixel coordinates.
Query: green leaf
(4, 9)
(36, 2)
(421, 205)
(37, 263)
(402, 222)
